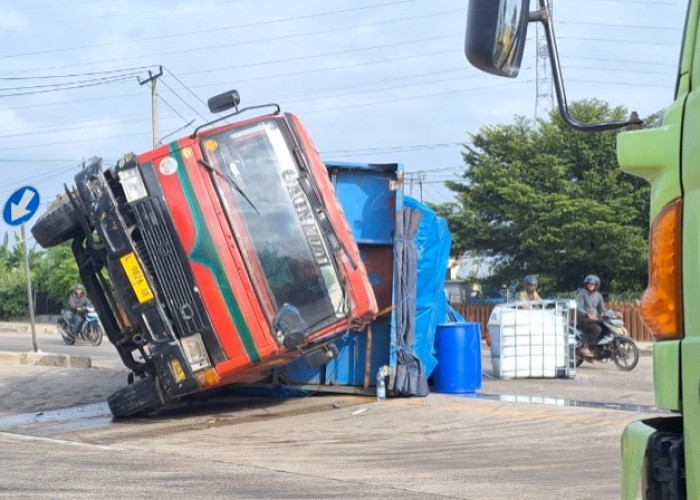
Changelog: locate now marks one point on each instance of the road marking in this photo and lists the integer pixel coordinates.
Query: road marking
(23, 437)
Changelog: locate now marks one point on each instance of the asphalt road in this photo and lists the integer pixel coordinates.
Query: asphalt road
(523, 438)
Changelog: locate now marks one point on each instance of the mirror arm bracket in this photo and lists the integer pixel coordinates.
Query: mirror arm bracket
(543, 16)
(236, 112)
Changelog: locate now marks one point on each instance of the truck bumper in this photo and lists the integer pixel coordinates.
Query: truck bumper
(634, 447)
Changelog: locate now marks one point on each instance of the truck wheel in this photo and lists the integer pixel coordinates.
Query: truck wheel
(134, 398)
(59, 223)
(665, 467)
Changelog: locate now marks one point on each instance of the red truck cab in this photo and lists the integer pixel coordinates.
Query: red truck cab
(214, 258)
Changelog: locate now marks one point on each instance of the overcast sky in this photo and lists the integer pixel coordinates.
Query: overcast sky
(373, 80)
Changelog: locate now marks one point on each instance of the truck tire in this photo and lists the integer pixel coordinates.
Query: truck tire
(142, 395)
(58, 224)
(665, 467)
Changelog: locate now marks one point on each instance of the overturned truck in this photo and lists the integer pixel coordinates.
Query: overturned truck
(214, 258)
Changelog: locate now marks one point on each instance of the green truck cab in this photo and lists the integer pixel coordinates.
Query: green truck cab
(660, 456)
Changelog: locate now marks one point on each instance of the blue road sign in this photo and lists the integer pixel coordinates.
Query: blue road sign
(21, 206)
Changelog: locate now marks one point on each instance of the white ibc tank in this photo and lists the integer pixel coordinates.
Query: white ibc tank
(531, 340)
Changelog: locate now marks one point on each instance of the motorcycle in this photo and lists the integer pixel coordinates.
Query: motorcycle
(613, 343)
(91, 330)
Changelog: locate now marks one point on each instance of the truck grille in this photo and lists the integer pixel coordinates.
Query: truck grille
(163, 259)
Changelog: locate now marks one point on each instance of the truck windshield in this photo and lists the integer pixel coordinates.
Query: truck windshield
(272, 214)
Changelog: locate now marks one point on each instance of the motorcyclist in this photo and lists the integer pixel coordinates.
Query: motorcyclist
(77, 305)
(529, 292)
(589, 309)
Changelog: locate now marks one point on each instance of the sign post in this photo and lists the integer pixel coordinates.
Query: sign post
(19, 208)
(30, 297)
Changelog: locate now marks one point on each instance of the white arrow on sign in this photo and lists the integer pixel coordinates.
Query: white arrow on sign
(19, 210)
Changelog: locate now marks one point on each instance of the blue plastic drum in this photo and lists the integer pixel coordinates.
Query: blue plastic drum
(458, 347)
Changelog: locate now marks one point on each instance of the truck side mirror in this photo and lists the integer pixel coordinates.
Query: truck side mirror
(496, 33)
(224, 102)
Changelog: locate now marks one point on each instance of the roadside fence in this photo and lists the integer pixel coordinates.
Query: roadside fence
(479, 313)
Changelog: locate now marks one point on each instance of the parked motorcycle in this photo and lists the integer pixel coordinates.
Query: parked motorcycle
(613, 343)
(91, 330)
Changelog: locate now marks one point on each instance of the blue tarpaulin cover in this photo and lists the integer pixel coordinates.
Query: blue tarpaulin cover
(433, 242)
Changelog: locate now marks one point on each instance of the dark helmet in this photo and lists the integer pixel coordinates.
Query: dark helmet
(530, 279)
(592, 278)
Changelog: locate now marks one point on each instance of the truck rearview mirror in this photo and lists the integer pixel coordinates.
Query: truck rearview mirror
(495, 37)
(223, 102)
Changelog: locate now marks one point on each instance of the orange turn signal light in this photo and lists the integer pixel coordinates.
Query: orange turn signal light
(662, 306)
(207, 378)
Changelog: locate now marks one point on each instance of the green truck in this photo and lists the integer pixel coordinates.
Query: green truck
(660, 456)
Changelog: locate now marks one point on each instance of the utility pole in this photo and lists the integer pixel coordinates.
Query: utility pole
(153, 80)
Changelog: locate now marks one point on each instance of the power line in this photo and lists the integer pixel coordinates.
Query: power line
(617, 70)
(208, 30)
(314, 97)
(44, 6)
(267, 77)
(186, 88)
(59, 86)
(298, 35)
(375, 103)
(69, 87)
(75, 75)
(400, 99)
(131, 118)
(610, 40)
(33, 160)
(394, 149)
(324, 54)
(182, 100)
(109, 16)
(616, 25)
(628, 61)
(245, 42)
(160, 97)
(626, 83)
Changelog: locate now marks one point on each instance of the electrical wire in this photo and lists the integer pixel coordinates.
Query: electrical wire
(618, 25)
(181, 35)
(185, 87)
(611, 40)
(70, 87)
(323, 54)
(59, 86)
(75, 75)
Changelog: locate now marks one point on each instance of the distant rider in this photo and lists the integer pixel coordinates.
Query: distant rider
(589, 308)
(529, 292)
(77, 305)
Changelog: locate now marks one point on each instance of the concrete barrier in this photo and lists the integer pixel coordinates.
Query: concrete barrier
(44, 359)
(22, 327)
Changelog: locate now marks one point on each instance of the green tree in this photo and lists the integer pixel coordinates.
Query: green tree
(53, 273)
(13, 287)
(552, 201)
(57, 272)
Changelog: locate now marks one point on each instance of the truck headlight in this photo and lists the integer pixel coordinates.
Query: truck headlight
(195, 352)
(132, 183)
